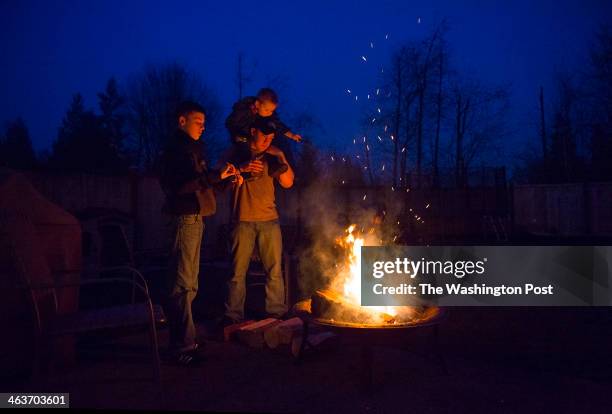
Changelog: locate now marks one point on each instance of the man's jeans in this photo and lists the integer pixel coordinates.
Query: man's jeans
(183, 277)
(267, 235)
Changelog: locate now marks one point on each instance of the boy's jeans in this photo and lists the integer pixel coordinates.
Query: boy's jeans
(184, 269)
(267, 235)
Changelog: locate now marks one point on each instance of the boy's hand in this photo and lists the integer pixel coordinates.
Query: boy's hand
(238, 180)
(295, 137)
(228, 170)
(254, 167)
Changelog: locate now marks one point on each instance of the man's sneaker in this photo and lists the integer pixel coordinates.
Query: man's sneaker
(189, 359)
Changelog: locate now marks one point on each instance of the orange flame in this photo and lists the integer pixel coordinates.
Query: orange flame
(348, 281)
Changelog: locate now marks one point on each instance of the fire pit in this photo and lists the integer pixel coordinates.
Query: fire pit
(338, 309)
(367, 336)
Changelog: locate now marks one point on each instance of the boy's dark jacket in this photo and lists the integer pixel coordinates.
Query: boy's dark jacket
(239, 122)
(183, 172)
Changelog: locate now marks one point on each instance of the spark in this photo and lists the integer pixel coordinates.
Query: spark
(378, 110)
(377, 91)
(371, 45)
(368, 96)
(354, 141)
(398, 222)
(411, 210)
(332, 158)
(356, 97)
(427, 206)
(373, 120)
(407, 190)
(392, 188)
(367, 147)
(382, 70)
(358, 157)
(364, 196)
(419, 20)
(349, 91)
(364, 138)
(404, 149)
(364, 58)
(383, 167)
(386, 127)
(365, 167)
(379, 138)
(387, 36)
(342, 181)
(392, 138)
(343, 159)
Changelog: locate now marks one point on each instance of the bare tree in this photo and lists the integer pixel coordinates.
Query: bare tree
(479, 120)
(543, 126)
(154, 95)
(244, 73)
(598, 91)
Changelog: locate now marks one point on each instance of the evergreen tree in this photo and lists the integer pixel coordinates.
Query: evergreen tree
(112, 106)
(83, 143)
(16, 148)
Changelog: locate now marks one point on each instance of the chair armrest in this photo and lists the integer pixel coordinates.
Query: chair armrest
(130, 269)
(89, 282)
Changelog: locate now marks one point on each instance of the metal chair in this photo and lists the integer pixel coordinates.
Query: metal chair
(42, 291)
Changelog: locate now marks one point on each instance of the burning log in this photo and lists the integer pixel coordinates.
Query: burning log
(253, 334)
(327, 304)
(283, 333)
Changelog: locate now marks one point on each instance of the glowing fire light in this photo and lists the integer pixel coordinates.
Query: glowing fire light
(348, 282)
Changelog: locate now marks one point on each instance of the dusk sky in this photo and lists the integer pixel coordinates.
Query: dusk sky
(52, 49)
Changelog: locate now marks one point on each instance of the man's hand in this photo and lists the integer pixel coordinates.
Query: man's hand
(253, 167)
(228, 170)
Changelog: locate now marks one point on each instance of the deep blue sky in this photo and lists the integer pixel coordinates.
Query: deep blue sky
(52, 49)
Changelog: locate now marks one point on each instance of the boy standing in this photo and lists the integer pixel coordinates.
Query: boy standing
(183, 176)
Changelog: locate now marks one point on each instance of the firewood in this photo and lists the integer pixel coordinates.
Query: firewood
(230, 330)
(327, 304)
(315, 341)
(253, 334)
(283, 333)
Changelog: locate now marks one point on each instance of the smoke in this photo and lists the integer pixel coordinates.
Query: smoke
(330, 210)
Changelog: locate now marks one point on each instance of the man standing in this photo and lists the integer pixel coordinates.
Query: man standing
(184, 178)
(256, 221)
